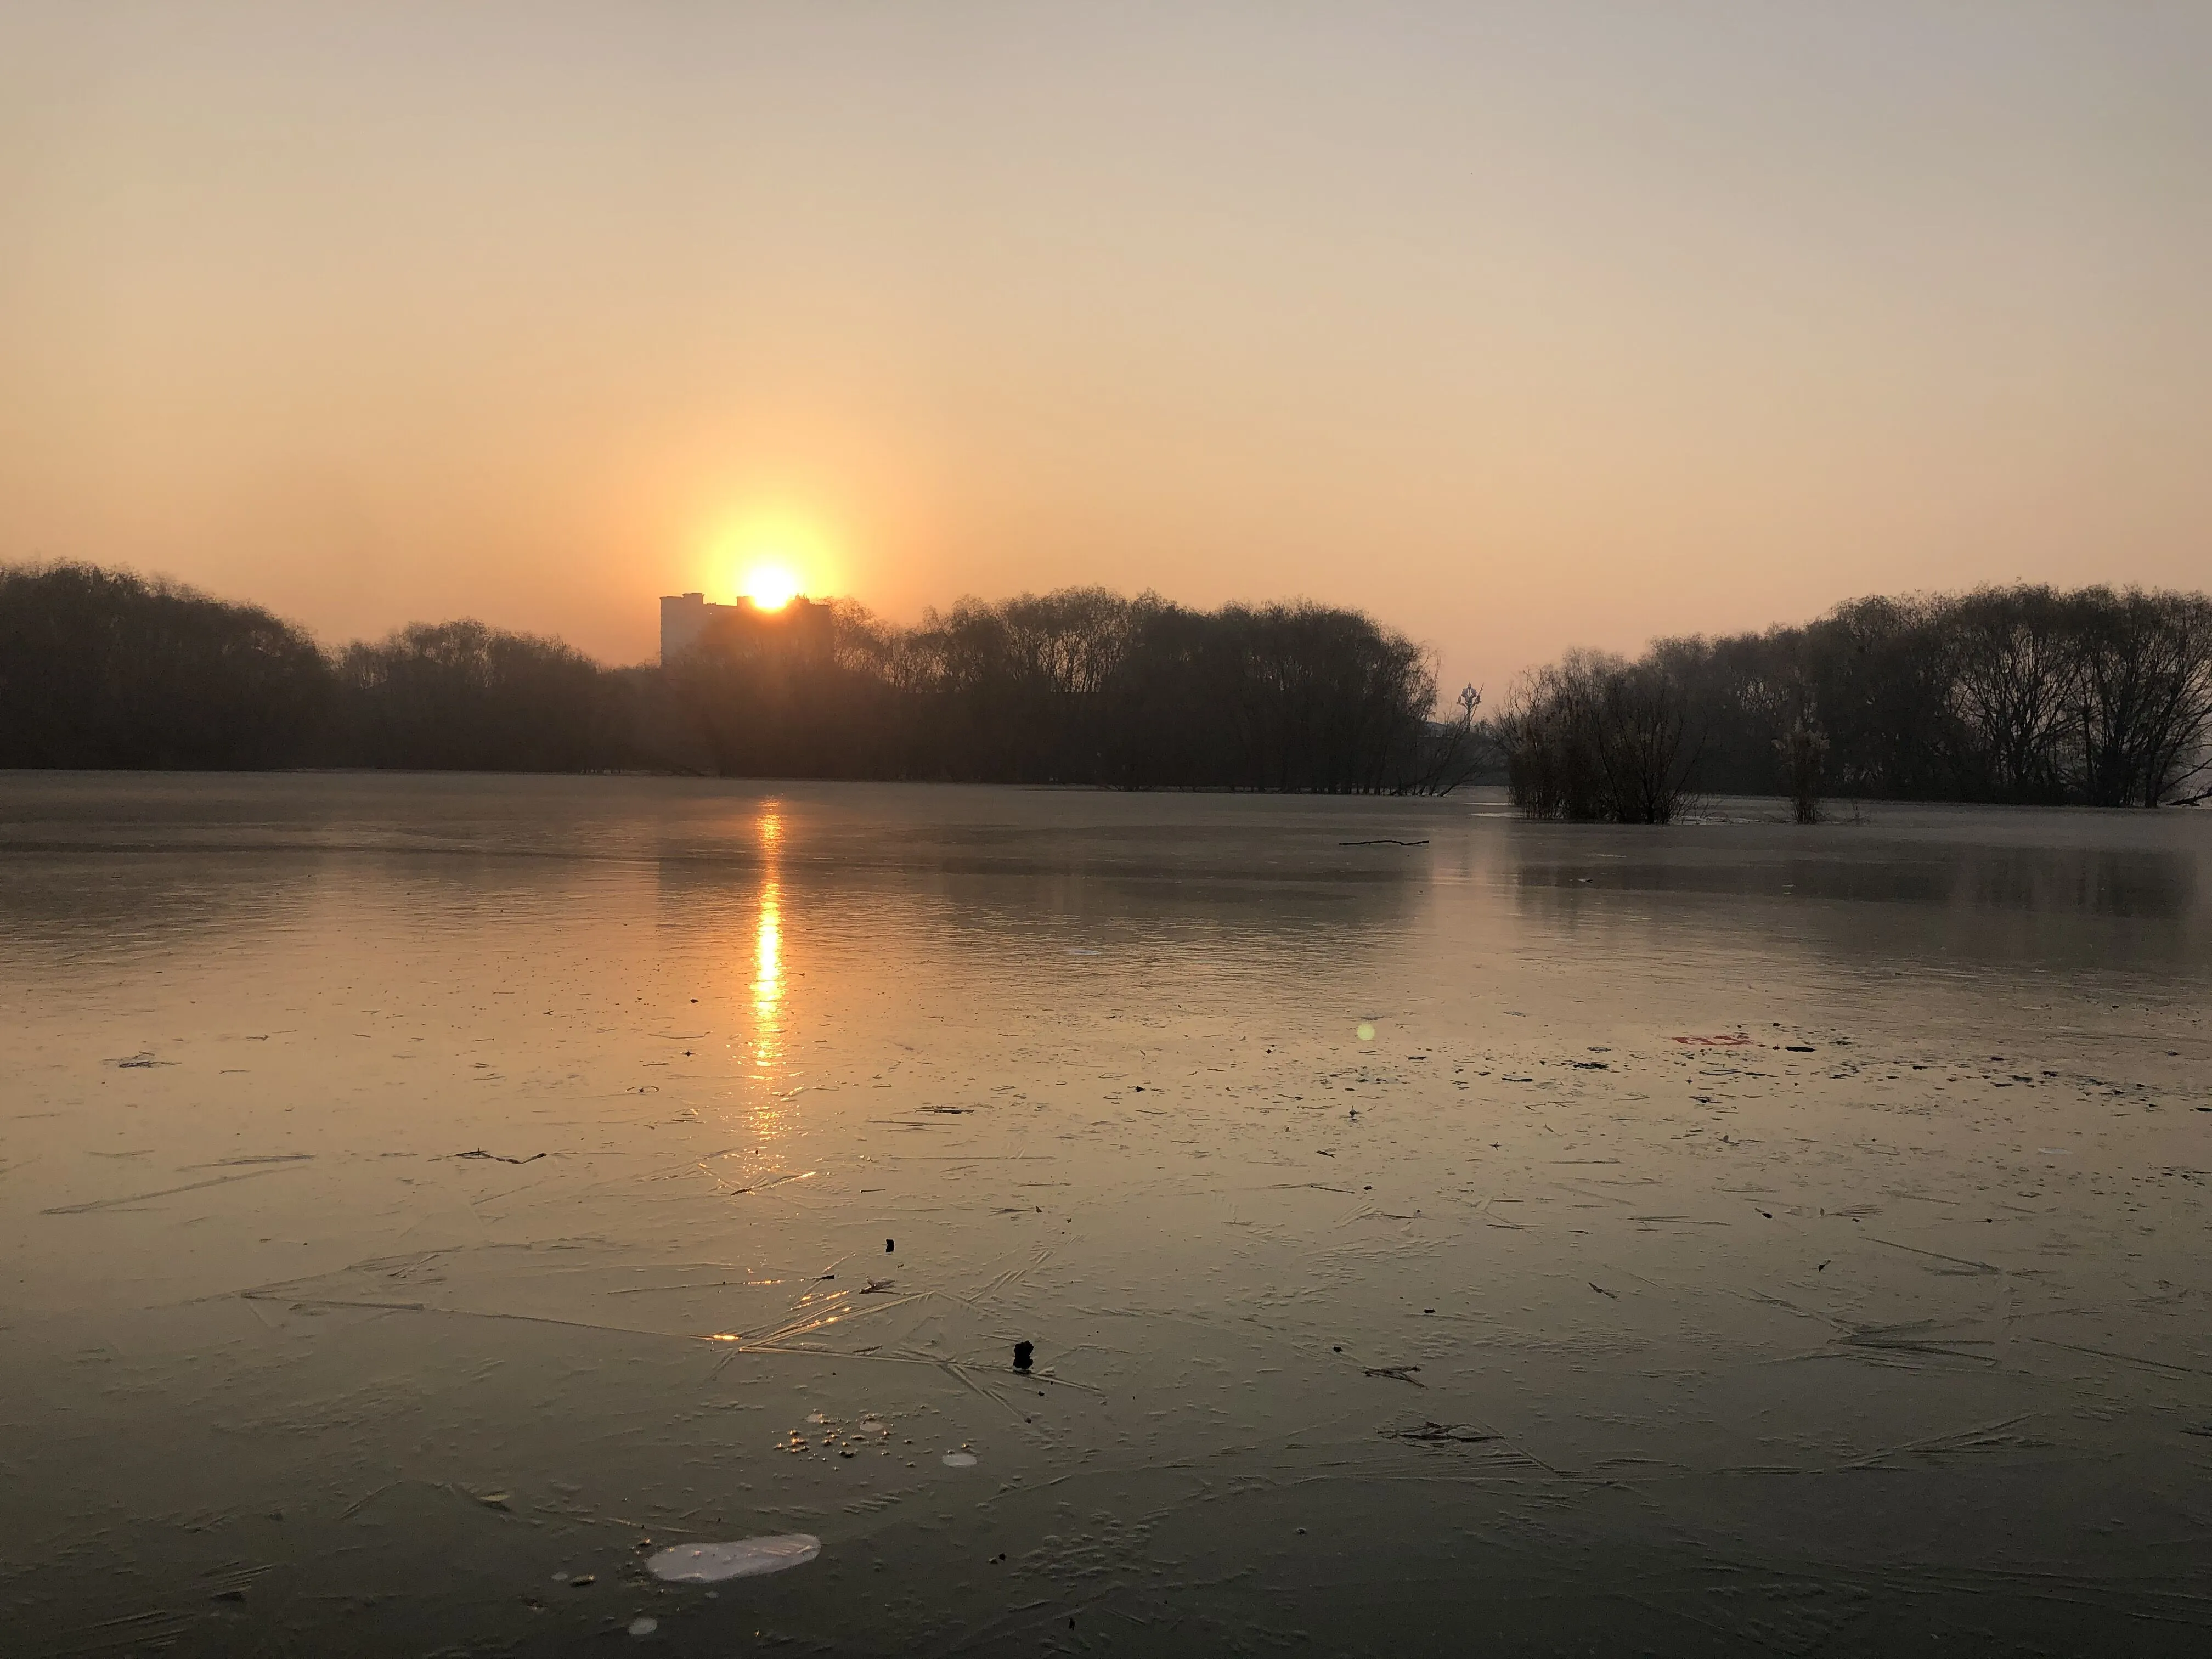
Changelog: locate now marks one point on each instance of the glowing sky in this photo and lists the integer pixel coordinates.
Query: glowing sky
(1520, 325)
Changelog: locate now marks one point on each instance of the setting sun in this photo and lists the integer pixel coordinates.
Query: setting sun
(770, 553)
(770, 587)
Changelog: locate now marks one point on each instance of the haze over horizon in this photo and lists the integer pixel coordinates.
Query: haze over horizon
(1519, 327)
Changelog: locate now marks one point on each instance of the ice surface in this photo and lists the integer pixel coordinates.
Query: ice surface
(410, 1187)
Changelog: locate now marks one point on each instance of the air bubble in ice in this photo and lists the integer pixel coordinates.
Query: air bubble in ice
(748, 1557)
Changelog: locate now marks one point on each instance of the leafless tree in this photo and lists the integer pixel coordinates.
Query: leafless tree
(1803, 747)
(2143, 675)
(2015, 668)
(1596, 737)
(2020, 694)
(101, 668)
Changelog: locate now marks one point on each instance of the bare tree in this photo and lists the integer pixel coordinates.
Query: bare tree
(102, 668)
(1803, 748)
(1596, 737)
(2144, 682)
(2019, 693)
(2015, 667)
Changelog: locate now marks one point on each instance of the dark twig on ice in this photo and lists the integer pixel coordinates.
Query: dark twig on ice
(1423, 842)
(498, 1157)
(1464, 1434)
(1397, 1374)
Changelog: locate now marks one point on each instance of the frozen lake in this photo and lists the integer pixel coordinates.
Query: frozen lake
(424, 1199)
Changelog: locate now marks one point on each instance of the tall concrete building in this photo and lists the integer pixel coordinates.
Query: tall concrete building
(684, 618)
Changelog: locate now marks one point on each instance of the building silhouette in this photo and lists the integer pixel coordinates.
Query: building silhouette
(688, 622)
(684, 618)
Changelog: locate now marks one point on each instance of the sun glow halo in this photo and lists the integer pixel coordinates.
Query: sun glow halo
(770, 587)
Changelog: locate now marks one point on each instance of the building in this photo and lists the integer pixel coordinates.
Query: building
(686, 619)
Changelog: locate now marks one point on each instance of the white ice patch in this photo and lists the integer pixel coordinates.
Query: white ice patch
(960, 1460)
(749, 1558)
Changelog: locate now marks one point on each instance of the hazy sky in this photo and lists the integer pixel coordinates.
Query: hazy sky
(1520, 325)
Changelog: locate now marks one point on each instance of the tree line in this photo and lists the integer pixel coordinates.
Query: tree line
(1080, 686)
(2025, 695)
(102, 668)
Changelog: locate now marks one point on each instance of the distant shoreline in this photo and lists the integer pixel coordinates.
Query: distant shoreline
(2023, 696)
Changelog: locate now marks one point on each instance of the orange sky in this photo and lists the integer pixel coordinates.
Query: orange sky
(1519, 326)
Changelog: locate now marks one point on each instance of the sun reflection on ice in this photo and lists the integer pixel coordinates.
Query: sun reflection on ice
(768, 945)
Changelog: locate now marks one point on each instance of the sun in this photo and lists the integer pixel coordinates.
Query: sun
(770, 586)
(771, 554)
